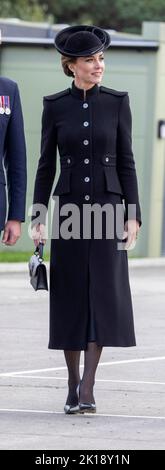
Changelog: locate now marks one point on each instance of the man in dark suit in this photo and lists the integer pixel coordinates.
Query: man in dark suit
(13, 174)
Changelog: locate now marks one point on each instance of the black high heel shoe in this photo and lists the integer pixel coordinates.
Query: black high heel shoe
(86, 407)
(73, 409)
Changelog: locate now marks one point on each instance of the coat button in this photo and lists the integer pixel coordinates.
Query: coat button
(85, 105)
(86, 160)
(87, 197)
(87, 179)
(86, 123)
(68, 160)
(85, 142)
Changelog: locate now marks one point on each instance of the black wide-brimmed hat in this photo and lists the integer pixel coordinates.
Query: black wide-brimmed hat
(81, 40)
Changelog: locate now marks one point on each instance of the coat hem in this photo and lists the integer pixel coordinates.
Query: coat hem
(84, 347)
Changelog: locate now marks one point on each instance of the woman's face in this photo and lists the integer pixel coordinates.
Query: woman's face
(89, 70)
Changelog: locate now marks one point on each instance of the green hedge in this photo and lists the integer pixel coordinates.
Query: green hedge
(18, 256)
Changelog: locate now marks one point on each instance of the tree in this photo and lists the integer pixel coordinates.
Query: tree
(132, 14)
(22, 9)
(122, 15)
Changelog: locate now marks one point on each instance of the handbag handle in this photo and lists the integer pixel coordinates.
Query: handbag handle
(39, 249)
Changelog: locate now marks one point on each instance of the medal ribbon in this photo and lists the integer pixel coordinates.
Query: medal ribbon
(7, 102)
(2, 99)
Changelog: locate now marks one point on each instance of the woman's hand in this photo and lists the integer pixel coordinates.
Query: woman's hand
(131, 229)
(39, 234)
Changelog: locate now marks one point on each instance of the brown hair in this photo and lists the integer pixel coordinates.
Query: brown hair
(65, 61)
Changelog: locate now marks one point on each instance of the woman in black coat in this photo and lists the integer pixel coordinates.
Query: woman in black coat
(90, 299)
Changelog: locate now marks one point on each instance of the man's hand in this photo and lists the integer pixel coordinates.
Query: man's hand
(131, 229)
(12, 232)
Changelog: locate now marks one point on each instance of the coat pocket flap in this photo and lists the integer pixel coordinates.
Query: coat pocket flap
(112, 181)
(63, 183)
(66, 161)
(108, 159)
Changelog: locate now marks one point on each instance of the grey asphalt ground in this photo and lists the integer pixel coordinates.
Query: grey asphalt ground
(130, 383)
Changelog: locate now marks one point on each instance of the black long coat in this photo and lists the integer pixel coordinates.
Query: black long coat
(90, 295)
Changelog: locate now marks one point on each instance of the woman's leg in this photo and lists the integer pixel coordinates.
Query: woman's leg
(91, 360)
(73, 361)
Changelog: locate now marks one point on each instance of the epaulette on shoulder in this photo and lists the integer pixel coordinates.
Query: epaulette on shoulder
(113, 92)
(56, 96)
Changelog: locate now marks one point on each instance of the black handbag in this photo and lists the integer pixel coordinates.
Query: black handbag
(37, 269)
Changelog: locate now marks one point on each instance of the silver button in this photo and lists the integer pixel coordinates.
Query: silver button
(87, 197)
(86, 160)
(85, 105)
(87, 179)
(86, 123)
(85, 142)
(107, 159)
(68, 160)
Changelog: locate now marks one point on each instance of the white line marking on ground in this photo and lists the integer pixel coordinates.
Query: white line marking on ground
(16, 410)
(111, 363)
(34, 371)
(97, 380)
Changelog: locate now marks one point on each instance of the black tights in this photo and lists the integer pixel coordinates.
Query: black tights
(91, 359)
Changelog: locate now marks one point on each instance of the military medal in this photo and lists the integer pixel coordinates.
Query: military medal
(1, 105)
(7, 105)
(7, 111)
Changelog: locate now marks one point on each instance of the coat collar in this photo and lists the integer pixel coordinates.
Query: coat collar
(80, 93)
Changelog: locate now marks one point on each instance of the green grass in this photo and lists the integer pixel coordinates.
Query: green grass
(18, 256)
(23, 256)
